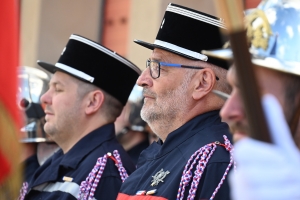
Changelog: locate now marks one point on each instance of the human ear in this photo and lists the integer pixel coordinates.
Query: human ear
(203, 83)
(95, 100)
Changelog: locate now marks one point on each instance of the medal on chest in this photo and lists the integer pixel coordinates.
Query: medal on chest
(159, 177)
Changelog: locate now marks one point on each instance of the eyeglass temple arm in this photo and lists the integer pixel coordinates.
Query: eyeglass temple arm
(182, 66)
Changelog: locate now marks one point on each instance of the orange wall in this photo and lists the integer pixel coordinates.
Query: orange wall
(251, 3)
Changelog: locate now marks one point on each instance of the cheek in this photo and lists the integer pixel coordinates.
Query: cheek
(268, 87)
(274, 87)
(61, 102)
(167, 87)
(224, 113)
(232, 109)
(269, 82)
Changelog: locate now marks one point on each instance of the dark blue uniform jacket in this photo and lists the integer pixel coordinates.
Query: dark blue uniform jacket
(31, 164)
(173, 155)
(77, 163)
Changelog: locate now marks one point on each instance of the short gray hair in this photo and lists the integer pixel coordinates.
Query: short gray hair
(112, 107)
(222, 83)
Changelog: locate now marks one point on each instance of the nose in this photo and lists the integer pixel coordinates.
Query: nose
(46, 98)
(233, 110)
(145, 79)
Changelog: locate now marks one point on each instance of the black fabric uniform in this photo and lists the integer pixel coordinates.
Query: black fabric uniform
(173, 156)
(77, 163)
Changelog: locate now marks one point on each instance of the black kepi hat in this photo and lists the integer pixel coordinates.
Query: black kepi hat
(186, 32)
(95, 64)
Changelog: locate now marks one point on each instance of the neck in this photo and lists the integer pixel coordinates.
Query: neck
(162, 128)
(77, 133)
(165, 125)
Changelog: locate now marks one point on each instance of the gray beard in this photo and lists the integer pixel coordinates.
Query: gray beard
(171, 107)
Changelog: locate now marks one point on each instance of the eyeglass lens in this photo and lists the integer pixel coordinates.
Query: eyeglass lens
(154, 68)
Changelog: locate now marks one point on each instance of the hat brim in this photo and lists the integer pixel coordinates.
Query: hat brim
(153, 46)
(47, 66)
(52, 69)
(268, 62)
(218, 60)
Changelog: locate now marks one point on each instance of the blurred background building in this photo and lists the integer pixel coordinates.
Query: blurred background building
(47, 24)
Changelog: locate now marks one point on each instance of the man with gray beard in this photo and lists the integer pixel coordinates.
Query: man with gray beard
(192, 157)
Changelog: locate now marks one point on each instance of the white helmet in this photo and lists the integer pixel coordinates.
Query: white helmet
(273, 30)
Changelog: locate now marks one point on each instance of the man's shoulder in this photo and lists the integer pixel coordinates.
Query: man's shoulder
(110, 147)
(202, 138)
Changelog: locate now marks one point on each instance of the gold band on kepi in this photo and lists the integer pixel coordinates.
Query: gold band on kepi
(186, 32)
(98, 65)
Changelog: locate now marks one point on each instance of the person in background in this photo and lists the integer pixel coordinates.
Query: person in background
(268, 171)
(130, 128)
(192, 157)
(87, 92)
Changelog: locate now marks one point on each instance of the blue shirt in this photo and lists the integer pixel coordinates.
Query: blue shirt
(172, 156)
(48, 181)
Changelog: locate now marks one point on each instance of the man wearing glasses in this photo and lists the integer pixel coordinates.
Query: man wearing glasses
(192, 157)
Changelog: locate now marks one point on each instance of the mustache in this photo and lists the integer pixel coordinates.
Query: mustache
(147, 92)
(48, 109)
(238, 127)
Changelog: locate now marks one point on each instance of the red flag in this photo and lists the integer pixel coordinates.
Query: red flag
(9, 123)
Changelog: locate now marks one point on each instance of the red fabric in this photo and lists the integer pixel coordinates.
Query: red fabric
(4, 167)
(9, 60)
(251, 3)
(122, 196)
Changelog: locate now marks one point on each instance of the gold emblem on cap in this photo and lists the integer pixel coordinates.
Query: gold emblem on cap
(159, 177)
(258, 29)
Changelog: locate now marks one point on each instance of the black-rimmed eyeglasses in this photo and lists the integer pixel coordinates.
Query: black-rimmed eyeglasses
(154, 67)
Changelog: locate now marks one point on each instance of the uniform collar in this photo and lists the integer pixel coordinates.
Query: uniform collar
(189, 129)
(87, 144)
(49, 171)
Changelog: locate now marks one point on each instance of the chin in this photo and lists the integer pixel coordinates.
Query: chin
(238, 136)
(49, 130)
